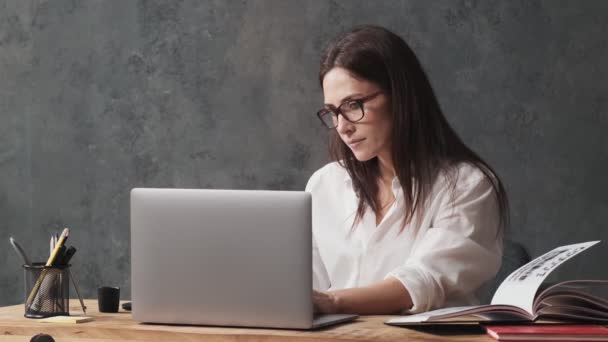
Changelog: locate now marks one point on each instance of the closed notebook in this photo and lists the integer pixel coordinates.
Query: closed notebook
(548, 332)
(67, 319)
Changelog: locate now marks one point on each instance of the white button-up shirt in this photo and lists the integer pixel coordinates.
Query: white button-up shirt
(442, 261)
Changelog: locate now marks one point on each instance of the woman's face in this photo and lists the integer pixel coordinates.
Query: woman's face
(370, 136)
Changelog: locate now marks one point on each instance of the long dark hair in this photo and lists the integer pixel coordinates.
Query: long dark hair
(423, 143)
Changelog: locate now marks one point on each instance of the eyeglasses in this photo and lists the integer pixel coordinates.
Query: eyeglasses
(351, 110)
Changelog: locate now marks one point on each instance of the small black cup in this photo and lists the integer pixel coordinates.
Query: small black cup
(108, 298)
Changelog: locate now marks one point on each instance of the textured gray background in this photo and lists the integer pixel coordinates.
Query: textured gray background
(97, 97)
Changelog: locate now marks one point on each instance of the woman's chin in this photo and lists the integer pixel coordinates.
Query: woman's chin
(362, 156)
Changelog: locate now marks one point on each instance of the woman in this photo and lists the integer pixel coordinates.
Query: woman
(407, 218)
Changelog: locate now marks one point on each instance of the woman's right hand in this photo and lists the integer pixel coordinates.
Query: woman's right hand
(324, 302)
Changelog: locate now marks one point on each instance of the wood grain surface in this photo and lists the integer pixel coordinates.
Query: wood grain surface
(120, 327)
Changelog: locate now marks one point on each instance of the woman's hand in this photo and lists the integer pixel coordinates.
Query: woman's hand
(324, 302)
(385, 297)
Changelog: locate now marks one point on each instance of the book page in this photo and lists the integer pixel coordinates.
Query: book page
(480, 313)
(520, 287)
(593, 292)
(427, 316)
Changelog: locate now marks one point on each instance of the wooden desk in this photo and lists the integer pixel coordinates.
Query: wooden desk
(120, 327)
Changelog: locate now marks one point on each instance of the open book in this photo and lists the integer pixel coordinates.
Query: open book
(521, 298)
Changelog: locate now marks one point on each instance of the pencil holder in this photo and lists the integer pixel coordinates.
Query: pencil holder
(46, 290)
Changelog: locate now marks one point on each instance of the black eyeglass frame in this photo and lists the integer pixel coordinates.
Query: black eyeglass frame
(333, 110)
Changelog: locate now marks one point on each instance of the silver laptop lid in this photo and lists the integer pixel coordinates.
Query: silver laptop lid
(222, 257)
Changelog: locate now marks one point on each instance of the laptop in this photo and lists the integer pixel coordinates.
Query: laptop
(223, 258)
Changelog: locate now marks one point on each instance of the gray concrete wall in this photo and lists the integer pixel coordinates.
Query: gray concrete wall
(97, 97)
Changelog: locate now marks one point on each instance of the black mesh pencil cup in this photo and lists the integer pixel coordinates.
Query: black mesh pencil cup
(46, 290)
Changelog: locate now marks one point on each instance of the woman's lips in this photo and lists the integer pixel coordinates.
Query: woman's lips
(355, 143)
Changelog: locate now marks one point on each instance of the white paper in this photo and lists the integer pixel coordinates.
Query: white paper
(520, 287)
(425, 316)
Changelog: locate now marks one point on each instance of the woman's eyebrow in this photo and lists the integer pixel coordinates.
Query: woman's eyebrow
(349, 97)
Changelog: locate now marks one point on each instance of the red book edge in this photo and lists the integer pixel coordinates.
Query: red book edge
(546, 330)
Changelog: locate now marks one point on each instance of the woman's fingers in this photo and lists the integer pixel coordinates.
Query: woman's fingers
(323, 302)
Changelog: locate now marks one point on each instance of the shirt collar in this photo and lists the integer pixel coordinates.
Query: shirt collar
(396, 185)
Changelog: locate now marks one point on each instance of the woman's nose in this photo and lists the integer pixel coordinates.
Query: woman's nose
(344, 126)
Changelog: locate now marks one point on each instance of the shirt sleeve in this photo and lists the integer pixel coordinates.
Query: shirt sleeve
(320, 277)
(459, 252)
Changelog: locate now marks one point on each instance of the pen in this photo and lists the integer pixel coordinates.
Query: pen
(65, 259)
(20, 251)
(49, 262)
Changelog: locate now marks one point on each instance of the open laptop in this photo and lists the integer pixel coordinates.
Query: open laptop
(223, 258)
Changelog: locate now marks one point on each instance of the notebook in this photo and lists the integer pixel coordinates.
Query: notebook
(67, 319)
